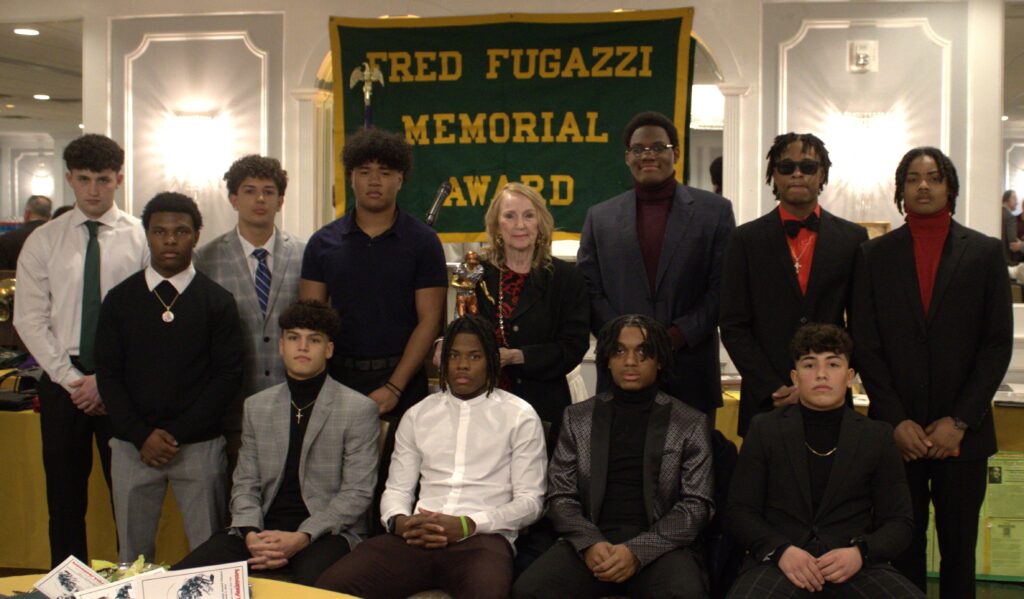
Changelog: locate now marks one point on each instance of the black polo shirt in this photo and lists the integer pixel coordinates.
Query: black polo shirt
(372, 283)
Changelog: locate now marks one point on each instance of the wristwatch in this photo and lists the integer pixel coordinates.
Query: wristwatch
(959, 425)
(862, 545)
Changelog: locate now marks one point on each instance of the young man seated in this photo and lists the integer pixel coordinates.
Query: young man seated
(313, 425)
(819, 498)
(477, 455)
(629, 487)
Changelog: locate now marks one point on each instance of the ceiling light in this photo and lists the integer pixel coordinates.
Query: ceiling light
(8, 105)
(1005, 118)
(81, 126)
(26, 31)
(41, 97)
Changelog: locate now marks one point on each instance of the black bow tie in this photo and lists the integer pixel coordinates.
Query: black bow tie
(792, 227)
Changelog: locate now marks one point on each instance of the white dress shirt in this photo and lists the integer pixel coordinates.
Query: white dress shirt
(251, 260)
(48, 302)
(483, 458)
(180, 281)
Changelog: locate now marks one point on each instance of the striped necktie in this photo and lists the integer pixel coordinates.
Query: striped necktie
(262, 278)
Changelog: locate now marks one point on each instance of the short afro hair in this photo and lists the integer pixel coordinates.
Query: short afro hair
(808, 141)
(651, 119)
(376, 145)
(947, 173)
(92, 152)
(819, 338)
(312, 315)
(657, 343)
(257, 167)
(172, 201)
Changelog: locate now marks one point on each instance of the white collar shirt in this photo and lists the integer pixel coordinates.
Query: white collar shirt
(51, 266)
(180, 281)
(247, 249)
(483, 458)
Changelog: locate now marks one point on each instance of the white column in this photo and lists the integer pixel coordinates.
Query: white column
(299, 214)
(981, 188)
(744, 208)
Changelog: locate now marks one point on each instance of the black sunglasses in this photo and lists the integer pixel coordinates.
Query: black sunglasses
(807, 167)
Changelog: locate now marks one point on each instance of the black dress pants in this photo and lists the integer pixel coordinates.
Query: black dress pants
(67, 434)
(957, 488)
(305, 566)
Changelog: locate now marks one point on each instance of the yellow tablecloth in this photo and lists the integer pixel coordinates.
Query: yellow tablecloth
(23, 514)
(261, 588)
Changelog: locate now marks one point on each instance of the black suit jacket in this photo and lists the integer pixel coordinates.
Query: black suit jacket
(550, 324)
(867, 493)
(677, 476)
(949, 363)
(686, 293)
(762, 305)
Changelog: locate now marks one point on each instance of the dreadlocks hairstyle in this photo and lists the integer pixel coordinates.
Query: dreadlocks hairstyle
(809, 141)
(257, 167)
(92, 152)
(657, 344)
(172, 201)
(947, 173)
(484, 331)
(380, 146)
(313, 315)
(651, 119)
(819, 338)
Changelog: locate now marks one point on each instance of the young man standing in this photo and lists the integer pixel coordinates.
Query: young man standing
(384, 272)
(629, 488)
(792, 266)
(260, 265)
(818, 498)
(467, 474)
(934, 329)
(657, 250)
(310, 424)
(169, 360)
(65, 268)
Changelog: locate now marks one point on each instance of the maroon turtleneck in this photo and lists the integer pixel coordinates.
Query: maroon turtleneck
(929, 233)
(653, 204)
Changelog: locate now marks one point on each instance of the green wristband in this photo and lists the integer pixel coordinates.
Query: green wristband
(465, 527)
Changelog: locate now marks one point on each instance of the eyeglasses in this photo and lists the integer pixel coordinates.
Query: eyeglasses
(807, 167)
(655, 149)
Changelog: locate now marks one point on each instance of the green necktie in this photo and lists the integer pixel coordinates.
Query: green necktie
(90, 298)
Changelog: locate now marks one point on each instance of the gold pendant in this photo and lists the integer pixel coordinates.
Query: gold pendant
(298, 417)
(796, 266)
(168, 316)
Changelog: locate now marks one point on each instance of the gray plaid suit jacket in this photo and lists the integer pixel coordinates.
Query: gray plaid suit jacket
(337, 466)
(222, 260)
(677, 476)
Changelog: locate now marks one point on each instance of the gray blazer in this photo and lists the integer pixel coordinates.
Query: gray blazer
(677, 477)
(222, 261)
(337, 467)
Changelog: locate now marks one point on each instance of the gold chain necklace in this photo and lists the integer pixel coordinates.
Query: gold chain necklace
(167, 316)
(298, 410)
(796, 258)
(818, 453)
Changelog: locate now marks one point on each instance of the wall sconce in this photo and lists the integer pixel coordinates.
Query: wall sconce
(862, 56)
(42, 182)
(865, 148)
(196, 146)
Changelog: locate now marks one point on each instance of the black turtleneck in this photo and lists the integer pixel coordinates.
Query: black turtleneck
(622, 514)
(288, 510)
(821, 433)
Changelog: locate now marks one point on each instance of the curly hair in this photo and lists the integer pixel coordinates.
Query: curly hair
(376, 145)
(495, 252)
(947, 173)
(484, 331)
(657, 343)
(651, 119)
(809, 141)
(172, 201)
(819, 338)
(92, 152)
(257, 167)
(312, 315)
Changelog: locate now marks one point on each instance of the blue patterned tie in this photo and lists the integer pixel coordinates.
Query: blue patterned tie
(262, 278)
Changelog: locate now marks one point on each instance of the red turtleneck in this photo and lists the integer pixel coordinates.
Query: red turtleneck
(929, 233)
(653, 204)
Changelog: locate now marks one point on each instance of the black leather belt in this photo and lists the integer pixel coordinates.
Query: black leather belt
(370, 364)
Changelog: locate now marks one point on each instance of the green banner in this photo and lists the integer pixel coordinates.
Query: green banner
(541, 99)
